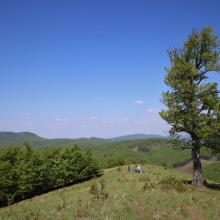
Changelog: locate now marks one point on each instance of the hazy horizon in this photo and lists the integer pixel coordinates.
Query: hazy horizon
(79, 137)
(91, 68)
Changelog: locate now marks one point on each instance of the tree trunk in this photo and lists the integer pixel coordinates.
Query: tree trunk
(197, 166)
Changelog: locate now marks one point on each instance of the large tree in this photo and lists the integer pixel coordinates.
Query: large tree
(193, 103)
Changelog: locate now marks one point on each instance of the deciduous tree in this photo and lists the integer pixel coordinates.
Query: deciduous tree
(192, 102)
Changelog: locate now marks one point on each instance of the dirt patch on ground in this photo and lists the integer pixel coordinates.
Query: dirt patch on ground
(195, 213)
(139, 209)
(188, 168)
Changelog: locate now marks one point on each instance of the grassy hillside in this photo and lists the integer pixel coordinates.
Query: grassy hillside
(121, 195)
(152, 150)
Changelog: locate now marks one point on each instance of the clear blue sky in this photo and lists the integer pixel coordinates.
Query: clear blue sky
(91, 68)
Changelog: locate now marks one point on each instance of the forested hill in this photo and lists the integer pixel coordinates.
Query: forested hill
(18, 139)
(13, 138)
(136, 137)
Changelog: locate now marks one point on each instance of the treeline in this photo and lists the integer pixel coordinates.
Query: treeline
(25, 172)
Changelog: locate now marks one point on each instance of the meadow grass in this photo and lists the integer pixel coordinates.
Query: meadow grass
(159, 193)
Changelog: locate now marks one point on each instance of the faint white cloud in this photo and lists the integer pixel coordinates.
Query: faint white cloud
(153, 110)
(62, 119)
(139, 102)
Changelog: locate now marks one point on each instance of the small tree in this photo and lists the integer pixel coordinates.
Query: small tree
(193, 104)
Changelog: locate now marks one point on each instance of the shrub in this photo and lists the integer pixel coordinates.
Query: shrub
(98, 191)
(94, 190)
(148, 184)
(172, 183)
(82, 209)
(119, 169)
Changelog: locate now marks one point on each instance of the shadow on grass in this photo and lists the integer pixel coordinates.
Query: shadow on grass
(213, 186)
(34, 193)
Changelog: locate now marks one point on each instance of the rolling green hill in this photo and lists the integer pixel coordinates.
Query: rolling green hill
(152, 151)
(136, 137)
(13, 138)
(18, 139)
(157, 194)
(110, 153)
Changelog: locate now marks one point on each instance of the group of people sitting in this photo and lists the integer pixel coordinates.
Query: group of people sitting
(136, 169)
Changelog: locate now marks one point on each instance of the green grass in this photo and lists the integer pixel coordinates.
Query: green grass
(212, 172)
(130, 196)
(167, 156)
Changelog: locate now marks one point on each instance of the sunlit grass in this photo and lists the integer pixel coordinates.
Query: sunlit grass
(126, 199)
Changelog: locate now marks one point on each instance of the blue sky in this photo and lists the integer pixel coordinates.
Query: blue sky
(91, 68)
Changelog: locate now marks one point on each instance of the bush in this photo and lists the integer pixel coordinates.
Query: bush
(82, 209)
(148, 184)
(94, 190)
(98, 191)
(113, 162)
(119, 169)
(172, 183)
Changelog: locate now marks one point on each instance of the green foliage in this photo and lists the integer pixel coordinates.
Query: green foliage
(192, 105)
(173, 183)
(113, 162)
(26, 172)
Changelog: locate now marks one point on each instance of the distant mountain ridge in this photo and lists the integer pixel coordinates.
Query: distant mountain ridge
(19, 138)
(136, 137)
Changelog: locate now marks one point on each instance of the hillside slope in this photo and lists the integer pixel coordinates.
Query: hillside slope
(156, 194)
(152, 151)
